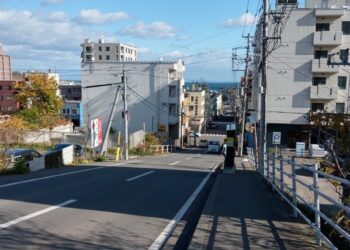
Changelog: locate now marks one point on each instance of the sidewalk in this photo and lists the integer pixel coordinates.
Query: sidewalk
(241, 213)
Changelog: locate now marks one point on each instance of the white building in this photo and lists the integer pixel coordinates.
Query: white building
(195, 109)
(154, 94)
(107, 52)
(298, 77)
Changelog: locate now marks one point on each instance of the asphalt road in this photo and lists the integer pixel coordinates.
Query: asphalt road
(121, 206)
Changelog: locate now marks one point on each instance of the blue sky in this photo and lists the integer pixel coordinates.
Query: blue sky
(46, 34)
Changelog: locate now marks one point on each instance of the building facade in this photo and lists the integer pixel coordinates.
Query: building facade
(107, 52)
(195, 109)
(154, 94)
(299, 77)
(5, 66)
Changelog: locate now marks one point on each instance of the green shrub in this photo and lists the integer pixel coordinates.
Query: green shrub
(53, 160)
(21, 167)
(101, 158)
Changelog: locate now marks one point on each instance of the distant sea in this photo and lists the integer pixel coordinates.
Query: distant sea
(216, 85)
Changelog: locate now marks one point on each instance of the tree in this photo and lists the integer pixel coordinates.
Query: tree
(38, 100)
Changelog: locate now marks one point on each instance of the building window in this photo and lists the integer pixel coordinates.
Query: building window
(342, 82)
(9, 108)
(340, 108)
(192, 98)
(99, 48)
(107, 57)
(74, 111)
(320, 54)
(344, 55)
(68, 111)
(1, 98)
(172, 91)
(88, 49)
(322, 26)
(9, 98)
(172, 109)
(191, 108)
(9, 87)
(345, 27)
(0, 87)
(63, 111)
(316, 107)
(318, 81)
(107, 48)
(100, 57)
(122, 49)
(89, 58)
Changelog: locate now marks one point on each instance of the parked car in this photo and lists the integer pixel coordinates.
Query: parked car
(214, 146)
(78, 149)
(192, 133)
(26, 154)
(203, 143)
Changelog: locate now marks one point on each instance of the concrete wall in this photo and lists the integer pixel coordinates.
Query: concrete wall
(147, 93)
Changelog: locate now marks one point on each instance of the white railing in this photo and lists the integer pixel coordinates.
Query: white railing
(162, 149)
(281, 173)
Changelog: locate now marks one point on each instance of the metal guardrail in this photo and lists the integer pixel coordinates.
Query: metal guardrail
(275, 174)
(162, 149)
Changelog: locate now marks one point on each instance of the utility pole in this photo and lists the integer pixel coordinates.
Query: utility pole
(244, 102)
(262, 126)
(126, 125)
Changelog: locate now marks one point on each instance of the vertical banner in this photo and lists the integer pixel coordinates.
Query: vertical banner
(96, 132)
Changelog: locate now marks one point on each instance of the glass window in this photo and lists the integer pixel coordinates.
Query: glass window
(9, 97)
(107, 57)
(344, 55)
(342, 82)
(191, 108)
(107, 48)
(346, 28)
(74, 111)
(99, 48)
(318, 80)
(9, 108)
(100, 57)
(317, 107)
(1, 98)
(340, 108)
(322, 26)
(9, 87)
(320, 54)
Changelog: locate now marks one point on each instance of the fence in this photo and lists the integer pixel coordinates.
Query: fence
(284, 174)
(162, 149)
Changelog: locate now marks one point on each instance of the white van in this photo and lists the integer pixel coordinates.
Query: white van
(214, 146)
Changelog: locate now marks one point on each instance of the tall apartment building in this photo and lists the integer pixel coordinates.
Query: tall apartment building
(195, 108)
(107, 52)
(154, 95)
(5, 66)
(299, 79)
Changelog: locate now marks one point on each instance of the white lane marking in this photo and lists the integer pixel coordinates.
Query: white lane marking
(189, 158)
(163, 237)
(174, 163)
(35, 214)
(139, 176)
(133, 157)
(59, 175)
(49, 177)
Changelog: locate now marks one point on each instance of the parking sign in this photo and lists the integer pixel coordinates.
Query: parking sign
(276, 138)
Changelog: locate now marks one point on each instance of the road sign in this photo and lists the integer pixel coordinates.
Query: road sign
(276, 138)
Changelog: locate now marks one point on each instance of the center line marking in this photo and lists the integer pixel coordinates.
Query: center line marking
(35, 214)
(139, 176)
(174, 163)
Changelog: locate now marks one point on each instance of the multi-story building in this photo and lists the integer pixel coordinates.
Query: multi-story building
(195, 108)
(5, 66)
(70, 92)
(154, 94)
(299, 78)
(107, 52)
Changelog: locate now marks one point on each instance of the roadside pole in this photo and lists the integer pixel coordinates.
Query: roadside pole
(229, 164)
(126, 125)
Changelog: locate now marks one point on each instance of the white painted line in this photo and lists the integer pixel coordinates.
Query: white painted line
(174, 163)
(49, 177)
(163, 237)
(133, 157)
(139, 176)
(32, 215)
(189, 158)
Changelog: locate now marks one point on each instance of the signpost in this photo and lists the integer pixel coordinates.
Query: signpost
(276, 139)
(229, 164)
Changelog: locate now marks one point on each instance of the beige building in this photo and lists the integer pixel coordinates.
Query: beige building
(5, 66)
(107, 52)
(194, 109)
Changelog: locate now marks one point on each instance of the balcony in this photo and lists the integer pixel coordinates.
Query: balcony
(320, 66)
(329, 11)
(328, 38)
(323, 92)
(173, 99)
(173, 119)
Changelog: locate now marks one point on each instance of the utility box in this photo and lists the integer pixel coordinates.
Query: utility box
(300, 149)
